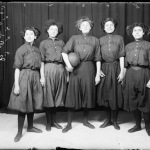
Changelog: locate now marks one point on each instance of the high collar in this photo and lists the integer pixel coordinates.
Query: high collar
(28, 43)
(55, 39)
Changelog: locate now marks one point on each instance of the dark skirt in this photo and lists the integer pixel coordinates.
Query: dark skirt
(136, 94)
(31, 94)
(81, 88)
(109, 91)
(55, 87)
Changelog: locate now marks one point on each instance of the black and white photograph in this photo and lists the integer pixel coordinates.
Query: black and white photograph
(74, 75)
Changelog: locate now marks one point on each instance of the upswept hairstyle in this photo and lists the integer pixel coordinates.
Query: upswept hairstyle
(82, 19)
(35, 30)
(51, 22)
(106, 20)
(129, 29)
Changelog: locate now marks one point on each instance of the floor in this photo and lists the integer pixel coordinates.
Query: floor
(80, 137)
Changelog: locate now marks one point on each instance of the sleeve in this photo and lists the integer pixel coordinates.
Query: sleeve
(42, 51)
(97, 54)
(148, 51)
(18, 63)
(122, 48)
(69, 46)
(125, 59)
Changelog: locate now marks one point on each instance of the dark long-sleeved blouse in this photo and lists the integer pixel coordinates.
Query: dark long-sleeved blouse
(27, 57)
(87, 47)
(51, 50)
(112, 47)
(137, 53)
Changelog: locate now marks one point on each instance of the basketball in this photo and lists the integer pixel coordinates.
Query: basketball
(73, 59)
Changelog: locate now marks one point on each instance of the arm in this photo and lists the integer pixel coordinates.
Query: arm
(17, 87)
(121, 75)
(42, 80)
(66, 60)
(98, 68)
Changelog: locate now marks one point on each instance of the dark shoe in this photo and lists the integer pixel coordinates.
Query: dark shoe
(134, 129)
(36, 130)
(106, 123)
(116, 126)
(17, 137)
(87, 124)
(67, 128)
(148, 131)
(56, 125)
(48, 127)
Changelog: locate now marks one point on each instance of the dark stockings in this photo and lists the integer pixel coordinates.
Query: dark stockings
(137, 117)
(70, 116)
(147, 122)
(51, 119)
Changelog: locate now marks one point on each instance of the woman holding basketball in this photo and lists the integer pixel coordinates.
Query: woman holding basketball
(83, 78)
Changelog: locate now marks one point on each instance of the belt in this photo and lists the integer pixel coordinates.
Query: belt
(137, 67)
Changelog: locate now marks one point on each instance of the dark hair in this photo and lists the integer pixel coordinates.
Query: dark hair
(106, 20)
(35, 30)
(82, 19)
(129, 29)
(51, 22)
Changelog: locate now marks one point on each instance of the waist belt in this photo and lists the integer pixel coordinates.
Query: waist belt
(137, 67)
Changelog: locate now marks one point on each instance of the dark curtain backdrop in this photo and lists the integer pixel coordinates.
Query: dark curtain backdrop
(14, 16)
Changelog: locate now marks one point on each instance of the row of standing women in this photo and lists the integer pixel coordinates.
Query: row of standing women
(109, 75)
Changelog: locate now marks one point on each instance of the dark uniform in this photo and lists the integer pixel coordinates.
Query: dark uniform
(55, 72)
(28, 60)
(137, 62)
(81, 88)
(109, 91)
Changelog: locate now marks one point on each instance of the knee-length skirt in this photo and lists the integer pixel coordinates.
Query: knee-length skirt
(31, 94)
(56, 84)
(109, 91)
(136, 94)
(81, 88)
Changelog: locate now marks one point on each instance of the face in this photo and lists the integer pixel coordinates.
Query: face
(137, 32)
(52, 31)
(109, 27)
(85, 27)
(29, 36)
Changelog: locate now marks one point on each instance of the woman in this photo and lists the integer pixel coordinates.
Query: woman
(26, 95)
(137, 78)
(81, 88)
(109, 91)
(54, 72)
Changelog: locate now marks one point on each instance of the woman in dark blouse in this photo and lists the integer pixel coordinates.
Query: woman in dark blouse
(54, 72)
(137, 78)
(27, 95)
(109, 91)
(81, 88)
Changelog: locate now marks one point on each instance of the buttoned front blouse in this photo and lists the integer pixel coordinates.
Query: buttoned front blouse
(51, 50)
(87, 47)
(137, 53)
(112, 47)
(27, 57)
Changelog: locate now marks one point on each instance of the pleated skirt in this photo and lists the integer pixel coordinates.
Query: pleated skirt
(136, 94)
(56, 84)
(81, 88)
(109, 91)
(31, 94)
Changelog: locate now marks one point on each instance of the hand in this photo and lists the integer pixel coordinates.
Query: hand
(69, 69)
(17, 90)
(42, 80)
(97, 79)
(102, 74)
(120, 77)
(148, 84)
